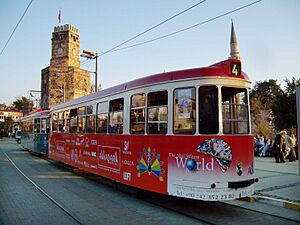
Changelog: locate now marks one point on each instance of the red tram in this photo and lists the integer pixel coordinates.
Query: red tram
(183, 133)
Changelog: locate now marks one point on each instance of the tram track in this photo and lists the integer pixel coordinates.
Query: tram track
(129, 190)
(86, 200)
(180, 203)
(204, 212)
(43, 192)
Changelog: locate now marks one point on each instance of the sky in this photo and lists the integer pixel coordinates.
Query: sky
(268, 34)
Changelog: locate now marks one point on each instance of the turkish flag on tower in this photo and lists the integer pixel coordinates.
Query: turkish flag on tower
(59, 15)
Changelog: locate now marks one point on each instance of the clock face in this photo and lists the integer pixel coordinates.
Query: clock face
(59, 51)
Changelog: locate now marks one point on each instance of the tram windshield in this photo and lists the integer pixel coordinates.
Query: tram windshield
(235, 110)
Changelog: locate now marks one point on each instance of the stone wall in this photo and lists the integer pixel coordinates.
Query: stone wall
(64, 80)
(64, 84)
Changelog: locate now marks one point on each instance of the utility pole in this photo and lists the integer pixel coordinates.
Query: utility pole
(32, 96)
(92, 55)
(96, 73)
(298, 120)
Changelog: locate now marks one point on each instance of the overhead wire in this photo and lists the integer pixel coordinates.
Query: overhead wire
(85, 61)
(16, 27)
(185, 29)
(88, 67)
(153, 27)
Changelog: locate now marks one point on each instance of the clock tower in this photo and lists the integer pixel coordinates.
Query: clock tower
(64, 80)
(65, 46)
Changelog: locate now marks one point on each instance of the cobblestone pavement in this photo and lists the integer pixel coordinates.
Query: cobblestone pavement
(22, 203)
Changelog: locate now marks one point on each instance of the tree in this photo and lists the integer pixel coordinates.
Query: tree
(23, 104)
(262, 97)
(284, 108)
(267, 91)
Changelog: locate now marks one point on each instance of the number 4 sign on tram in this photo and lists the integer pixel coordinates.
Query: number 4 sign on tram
(235, 68)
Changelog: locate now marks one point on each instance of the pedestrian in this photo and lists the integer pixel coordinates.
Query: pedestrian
(259, 145)
(290, 140)
(279, 144)
(266, 149)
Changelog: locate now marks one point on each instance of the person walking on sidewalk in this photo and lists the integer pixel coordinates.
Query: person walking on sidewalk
(290, 140)
(279, 144)
(266, 149)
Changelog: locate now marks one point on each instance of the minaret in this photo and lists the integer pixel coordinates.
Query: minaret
(234, 52)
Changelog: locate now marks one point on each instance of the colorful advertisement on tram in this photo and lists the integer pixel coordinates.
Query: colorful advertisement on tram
(199, 168)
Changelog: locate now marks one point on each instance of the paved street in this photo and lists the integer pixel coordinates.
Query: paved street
(92, 203)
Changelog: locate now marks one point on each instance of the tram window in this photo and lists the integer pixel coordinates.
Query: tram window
(48, 125)
(66, 114)
(60, 115)
(102, 123)
(208, 110)
(137, 114)
(235, 110)
(61, 122)
(37, 125)
(73, 120)
(102, 112)
(157, 112)
(81, 110)
(90, 110)
(81, 124)
(116, 116)
(54, 122)
(61, 125)
(90, 124)
(81, 119)
(44, 125)
(185, 111)
(90, 120)
(66, 121)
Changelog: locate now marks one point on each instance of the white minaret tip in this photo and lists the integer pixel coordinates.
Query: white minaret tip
(234, 52)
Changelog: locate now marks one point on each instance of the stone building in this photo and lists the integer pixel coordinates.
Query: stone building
(64, 80)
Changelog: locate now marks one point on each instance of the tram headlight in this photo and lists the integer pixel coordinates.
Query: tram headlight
(239, 168)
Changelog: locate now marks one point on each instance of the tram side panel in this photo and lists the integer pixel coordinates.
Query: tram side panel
(198, 167)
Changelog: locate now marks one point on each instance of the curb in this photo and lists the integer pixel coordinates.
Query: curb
(279, 202)
(248, 199)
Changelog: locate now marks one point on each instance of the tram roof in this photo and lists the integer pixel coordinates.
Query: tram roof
(218, 70)
(37, 113)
